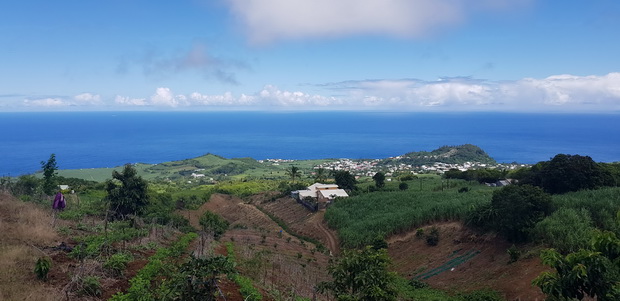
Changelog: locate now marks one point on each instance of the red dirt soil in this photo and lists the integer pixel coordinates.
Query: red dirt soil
(301, 221)
(489, 269)
(277, 261)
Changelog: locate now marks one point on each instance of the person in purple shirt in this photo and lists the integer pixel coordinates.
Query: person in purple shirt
(59, 202)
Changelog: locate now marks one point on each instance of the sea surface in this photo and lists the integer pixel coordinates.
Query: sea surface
(108, 139)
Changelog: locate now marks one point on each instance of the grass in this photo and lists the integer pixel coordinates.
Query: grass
(24, 230)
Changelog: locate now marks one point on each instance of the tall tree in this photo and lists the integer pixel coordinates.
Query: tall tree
(345, 180)
(49, 175)
(379, 179)
(321, 175)
(294, 173)
(516, 209)
(127, 193)
(361, 275)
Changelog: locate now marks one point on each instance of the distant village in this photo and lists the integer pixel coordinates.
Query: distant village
(368, 168)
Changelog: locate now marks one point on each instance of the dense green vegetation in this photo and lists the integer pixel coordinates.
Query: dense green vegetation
(444, 154)
(564, 173)
(513, 211)
(361, 218)
(361, 275)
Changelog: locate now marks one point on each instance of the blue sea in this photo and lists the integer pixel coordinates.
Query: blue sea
(108, 139)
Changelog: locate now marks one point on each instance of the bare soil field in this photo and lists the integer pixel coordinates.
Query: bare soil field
(277, 261)
(301, 220)
(464, 261)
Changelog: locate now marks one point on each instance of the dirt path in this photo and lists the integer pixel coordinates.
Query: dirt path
(332, 240)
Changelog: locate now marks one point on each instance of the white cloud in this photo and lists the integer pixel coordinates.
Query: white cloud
(127, 101)
(87, 99)
(271, 95)
(46, 102)
(165, 97)
(568, 93)
(269, 20)
(560, 92)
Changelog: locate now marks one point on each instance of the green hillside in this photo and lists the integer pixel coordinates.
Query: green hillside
(215, 167)
(445, 154)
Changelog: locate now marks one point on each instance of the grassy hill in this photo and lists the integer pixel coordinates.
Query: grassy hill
(210, 165)
(445, 154)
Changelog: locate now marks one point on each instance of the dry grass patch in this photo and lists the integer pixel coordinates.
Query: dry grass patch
(17, 279)
(24, 229)
(25, 222)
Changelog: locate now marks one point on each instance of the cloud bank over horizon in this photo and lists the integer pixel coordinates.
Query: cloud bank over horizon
(265, 21)
(556, 93)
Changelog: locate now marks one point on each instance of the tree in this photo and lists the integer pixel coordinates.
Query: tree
(127, 193)
(592, 272)
(516, 209)
(345, 180)
(564, 173)
(49, 175)
(379, 179)
(361, 275)
(294, 173)
(213, 223)
(321, 175)
(403, 186)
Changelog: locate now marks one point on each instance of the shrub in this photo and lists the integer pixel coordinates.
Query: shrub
(247, 289)
(117, 263)
(90, 286)
(432, 239)
(514, 254)
(419, 233)
(403, 186)
(42, 267)
(566, 230)
(417, 283)
(517, 209)
(463, 189)
(213, 223)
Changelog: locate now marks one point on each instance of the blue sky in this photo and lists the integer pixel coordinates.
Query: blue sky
(374, 55)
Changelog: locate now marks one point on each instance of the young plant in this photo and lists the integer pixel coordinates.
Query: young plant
(42, 267)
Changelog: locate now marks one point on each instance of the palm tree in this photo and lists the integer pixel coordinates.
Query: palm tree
(321, 175)
(294, 173)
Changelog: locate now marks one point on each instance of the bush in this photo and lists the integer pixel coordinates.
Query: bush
(42, 267)
(117, 263)
(514, 254)
(516, 209)
(247, 289)
(432, 239)
(419, 233)
(213, 223)
(417, 283)
(403, 186)
(463, 189)
(566, 230)
(90, 286)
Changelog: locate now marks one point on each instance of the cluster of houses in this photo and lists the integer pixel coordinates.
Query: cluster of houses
(318, 196)
(368, 168)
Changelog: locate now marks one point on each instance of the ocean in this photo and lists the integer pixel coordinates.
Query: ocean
(108, 139)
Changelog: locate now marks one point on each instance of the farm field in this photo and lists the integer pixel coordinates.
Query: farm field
(362, 218)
